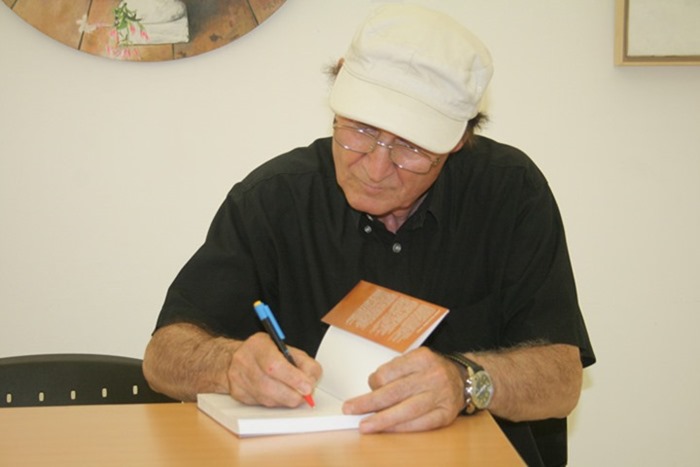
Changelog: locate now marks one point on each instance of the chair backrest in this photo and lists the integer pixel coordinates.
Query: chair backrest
(74, 379)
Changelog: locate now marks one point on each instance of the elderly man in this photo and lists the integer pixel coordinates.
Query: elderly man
(405, 195)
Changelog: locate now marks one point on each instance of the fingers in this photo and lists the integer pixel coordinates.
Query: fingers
(415, 414)
(417, 391)
(308, 365)
(259, 374)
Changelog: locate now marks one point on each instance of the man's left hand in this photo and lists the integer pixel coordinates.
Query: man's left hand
(418, 391)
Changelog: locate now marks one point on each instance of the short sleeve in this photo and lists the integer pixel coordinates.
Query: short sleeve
(539, 299)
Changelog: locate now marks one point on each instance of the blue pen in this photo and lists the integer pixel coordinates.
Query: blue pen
(275, 332)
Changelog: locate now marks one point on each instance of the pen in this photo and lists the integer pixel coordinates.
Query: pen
(273, 329)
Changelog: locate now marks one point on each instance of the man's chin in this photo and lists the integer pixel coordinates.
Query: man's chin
(368, 206)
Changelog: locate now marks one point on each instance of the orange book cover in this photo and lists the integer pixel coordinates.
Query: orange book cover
(387, 317)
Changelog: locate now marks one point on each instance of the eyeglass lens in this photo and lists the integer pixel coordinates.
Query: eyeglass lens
(404, 157)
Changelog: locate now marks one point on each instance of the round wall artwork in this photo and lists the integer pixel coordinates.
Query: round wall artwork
(144, 30)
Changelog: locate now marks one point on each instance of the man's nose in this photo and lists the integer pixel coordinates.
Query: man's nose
(378, 162)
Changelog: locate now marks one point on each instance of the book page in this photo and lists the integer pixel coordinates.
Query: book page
(389, 318)
(347, 361)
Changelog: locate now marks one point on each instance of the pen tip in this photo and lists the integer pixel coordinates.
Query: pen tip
(257, 302)
(310, 400)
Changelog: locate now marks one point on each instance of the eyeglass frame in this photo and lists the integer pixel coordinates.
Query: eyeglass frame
(434, 159)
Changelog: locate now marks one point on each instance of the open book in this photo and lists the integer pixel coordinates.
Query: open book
(368, 327)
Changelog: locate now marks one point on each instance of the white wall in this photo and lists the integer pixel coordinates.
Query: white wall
(110, 173)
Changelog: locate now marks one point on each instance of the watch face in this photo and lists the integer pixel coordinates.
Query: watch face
(482, 389)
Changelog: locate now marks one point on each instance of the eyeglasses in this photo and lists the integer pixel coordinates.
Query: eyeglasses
(402, 155)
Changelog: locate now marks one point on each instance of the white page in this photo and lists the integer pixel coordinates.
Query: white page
(347, 361)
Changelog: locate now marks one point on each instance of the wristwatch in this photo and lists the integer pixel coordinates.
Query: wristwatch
(478, 387)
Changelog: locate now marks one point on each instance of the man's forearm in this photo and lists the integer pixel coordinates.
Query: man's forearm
(182, 360)
(533, 382)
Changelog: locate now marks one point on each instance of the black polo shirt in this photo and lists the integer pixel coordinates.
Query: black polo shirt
(488, 243)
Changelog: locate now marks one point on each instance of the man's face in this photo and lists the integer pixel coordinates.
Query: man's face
(372, 183)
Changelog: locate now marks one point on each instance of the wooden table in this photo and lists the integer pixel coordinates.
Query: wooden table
(180, 435)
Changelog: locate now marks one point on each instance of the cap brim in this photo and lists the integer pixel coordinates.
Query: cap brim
(397, 113)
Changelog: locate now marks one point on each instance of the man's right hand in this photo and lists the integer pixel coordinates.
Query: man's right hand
(259, 374)
(183, 360)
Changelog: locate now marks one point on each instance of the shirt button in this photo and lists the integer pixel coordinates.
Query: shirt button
(396, 248)
(368, 229)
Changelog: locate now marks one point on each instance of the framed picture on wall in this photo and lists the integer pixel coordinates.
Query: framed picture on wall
(144, 30)
(657, 32)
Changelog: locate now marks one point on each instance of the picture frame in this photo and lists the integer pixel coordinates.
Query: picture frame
(144, 30)
(657, 32)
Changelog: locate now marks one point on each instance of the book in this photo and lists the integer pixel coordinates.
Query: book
(368, 327)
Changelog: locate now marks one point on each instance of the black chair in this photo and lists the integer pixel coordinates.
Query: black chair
(74, 379)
